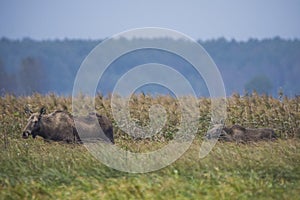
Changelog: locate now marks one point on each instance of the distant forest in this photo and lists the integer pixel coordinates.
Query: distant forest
(266, 66)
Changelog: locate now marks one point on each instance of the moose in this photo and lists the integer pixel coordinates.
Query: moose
(60, 126)
(239, 133)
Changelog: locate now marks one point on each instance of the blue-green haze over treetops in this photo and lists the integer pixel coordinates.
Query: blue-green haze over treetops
(266, 65)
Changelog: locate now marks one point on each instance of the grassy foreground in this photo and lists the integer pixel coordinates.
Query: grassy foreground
(39, 170)
(34, 169)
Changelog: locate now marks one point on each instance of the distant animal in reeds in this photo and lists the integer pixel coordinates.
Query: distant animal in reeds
(239, 133)
(60, 126)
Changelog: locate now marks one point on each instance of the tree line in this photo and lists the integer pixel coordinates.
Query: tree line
(266, 66)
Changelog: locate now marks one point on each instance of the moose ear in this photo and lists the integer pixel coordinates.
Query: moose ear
(43, 111)
(27, 110)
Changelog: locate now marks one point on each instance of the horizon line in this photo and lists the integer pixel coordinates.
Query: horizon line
(102, 39)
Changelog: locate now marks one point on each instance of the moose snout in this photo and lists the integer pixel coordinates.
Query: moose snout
(25, 134)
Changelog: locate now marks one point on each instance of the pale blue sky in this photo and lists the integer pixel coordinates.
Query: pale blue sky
(95, 19)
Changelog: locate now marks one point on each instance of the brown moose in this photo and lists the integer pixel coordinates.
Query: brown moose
(240, 134)
(60, 126)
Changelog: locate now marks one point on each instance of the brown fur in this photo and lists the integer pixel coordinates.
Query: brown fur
(238, 133)
(241, 134)
(60, 126)
(89, 129)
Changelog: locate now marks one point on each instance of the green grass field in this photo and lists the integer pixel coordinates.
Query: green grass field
(34, 169)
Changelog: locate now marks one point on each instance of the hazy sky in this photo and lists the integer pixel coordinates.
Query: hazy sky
(95, 19)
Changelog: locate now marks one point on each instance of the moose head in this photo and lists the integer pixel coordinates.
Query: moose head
(33, 124)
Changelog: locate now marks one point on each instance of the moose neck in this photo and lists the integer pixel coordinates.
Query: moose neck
(41, 130)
